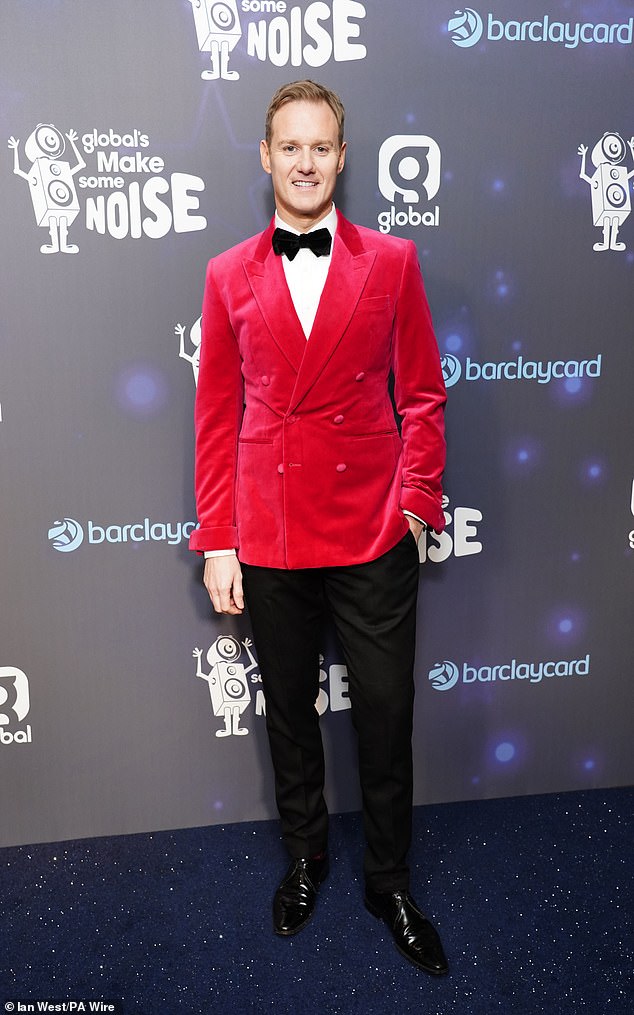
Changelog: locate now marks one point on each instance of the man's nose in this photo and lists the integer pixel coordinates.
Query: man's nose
(305, 162)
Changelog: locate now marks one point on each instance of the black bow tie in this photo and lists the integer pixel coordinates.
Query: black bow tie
(288, 243)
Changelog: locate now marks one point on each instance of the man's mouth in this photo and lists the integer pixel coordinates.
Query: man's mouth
(304, 184)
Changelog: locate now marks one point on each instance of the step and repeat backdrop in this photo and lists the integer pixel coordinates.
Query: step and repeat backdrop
(500, 139)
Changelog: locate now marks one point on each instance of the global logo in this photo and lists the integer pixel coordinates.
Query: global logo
(66, 535)
(14, 704)
(409, 172)
(451, 369)
(466, 28)
(443, 676)
(415, 158)
(14, 695)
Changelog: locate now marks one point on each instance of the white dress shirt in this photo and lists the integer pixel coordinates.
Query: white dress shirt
(306, 274)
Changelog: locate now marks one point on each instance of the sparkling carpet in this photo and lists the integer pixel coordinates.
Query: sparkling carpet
(532, 897)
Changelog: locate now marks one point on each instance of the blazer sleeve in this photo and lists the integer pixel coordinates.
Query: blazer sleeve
(217, 419)
(420, 396)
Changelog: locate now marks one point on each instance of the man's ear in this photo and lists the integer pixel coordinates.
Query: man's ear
(342, 156)
(264, 157)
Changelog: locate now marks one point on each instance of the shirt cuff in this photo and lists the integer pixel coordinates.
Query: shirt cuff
(219, 553)
(410, 514)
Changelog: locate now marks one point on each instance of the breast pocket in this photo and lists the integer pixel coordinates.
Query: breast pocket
(371, 331)
(375, 305)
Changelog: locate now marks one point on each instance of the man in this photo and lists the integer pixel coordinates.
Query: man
(301, 469)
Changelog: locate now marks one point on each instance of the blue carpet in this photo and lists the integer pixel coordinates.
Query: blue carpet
(532, 897)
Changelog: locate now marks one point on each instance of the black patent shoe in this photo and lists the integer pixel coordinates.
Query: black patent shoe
(294, 901)
(415, 937)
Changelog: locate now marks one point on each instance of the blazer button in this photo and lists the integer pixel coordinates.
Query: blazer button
(280, 469)
(341, 467)
(338, 419)
(360, 376)
(265, 381)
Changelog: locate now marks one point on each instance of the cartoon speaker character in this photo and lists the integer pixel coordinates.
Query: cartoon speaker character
(194, 337)
(609, 185)
(218, 31)
(228, 684)
(51, 183)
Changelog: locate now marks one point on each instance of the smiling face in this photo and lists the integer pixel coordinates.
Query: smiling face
(304, 160)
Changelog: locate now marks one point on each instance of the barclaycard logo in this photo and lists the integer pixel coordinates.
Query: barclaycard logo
(467, 27)
(445, 675)
(68, 534)
(520, 369)
(451, 369)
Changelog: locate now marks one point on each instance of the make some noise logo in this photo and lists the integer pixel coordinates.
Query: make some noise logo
(128, 190)
(520, 369)
(15, 704)
(446, 674)
(467, 28)
(459, 538)
(67, 534)
(277, 32)
(235, 684)
(409, 176)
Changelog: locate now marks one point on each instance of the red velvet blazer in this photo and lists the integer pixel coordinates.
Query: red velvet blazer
(299, 461)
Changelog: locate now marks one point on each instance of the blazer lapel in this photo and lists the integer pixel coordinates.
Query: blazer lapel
(270, 290)
(349, 270)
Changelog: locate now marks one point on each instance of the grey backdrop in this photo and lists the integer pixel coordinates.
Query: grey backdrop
(525, 652)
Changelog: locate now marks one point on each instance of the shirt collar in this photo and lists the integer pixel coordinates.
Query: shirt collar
(329, 223)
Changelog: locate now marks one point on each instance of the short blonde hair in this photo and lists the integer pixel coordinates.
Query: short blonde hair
(304, 91)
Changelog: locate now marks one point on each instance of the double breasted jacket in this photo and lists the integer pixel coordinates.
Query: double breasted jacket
(300, 460)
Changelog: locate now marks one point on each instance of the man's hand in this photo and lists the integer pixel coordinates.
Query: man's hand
(415, 526)
(223, 581)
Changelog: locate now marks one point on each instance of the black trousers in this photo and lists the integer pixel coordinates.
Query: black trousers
(373, 606)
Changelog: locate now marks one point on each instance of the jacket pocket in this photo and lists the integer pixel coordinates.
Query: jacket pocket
(390, 432)
(374, 303)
